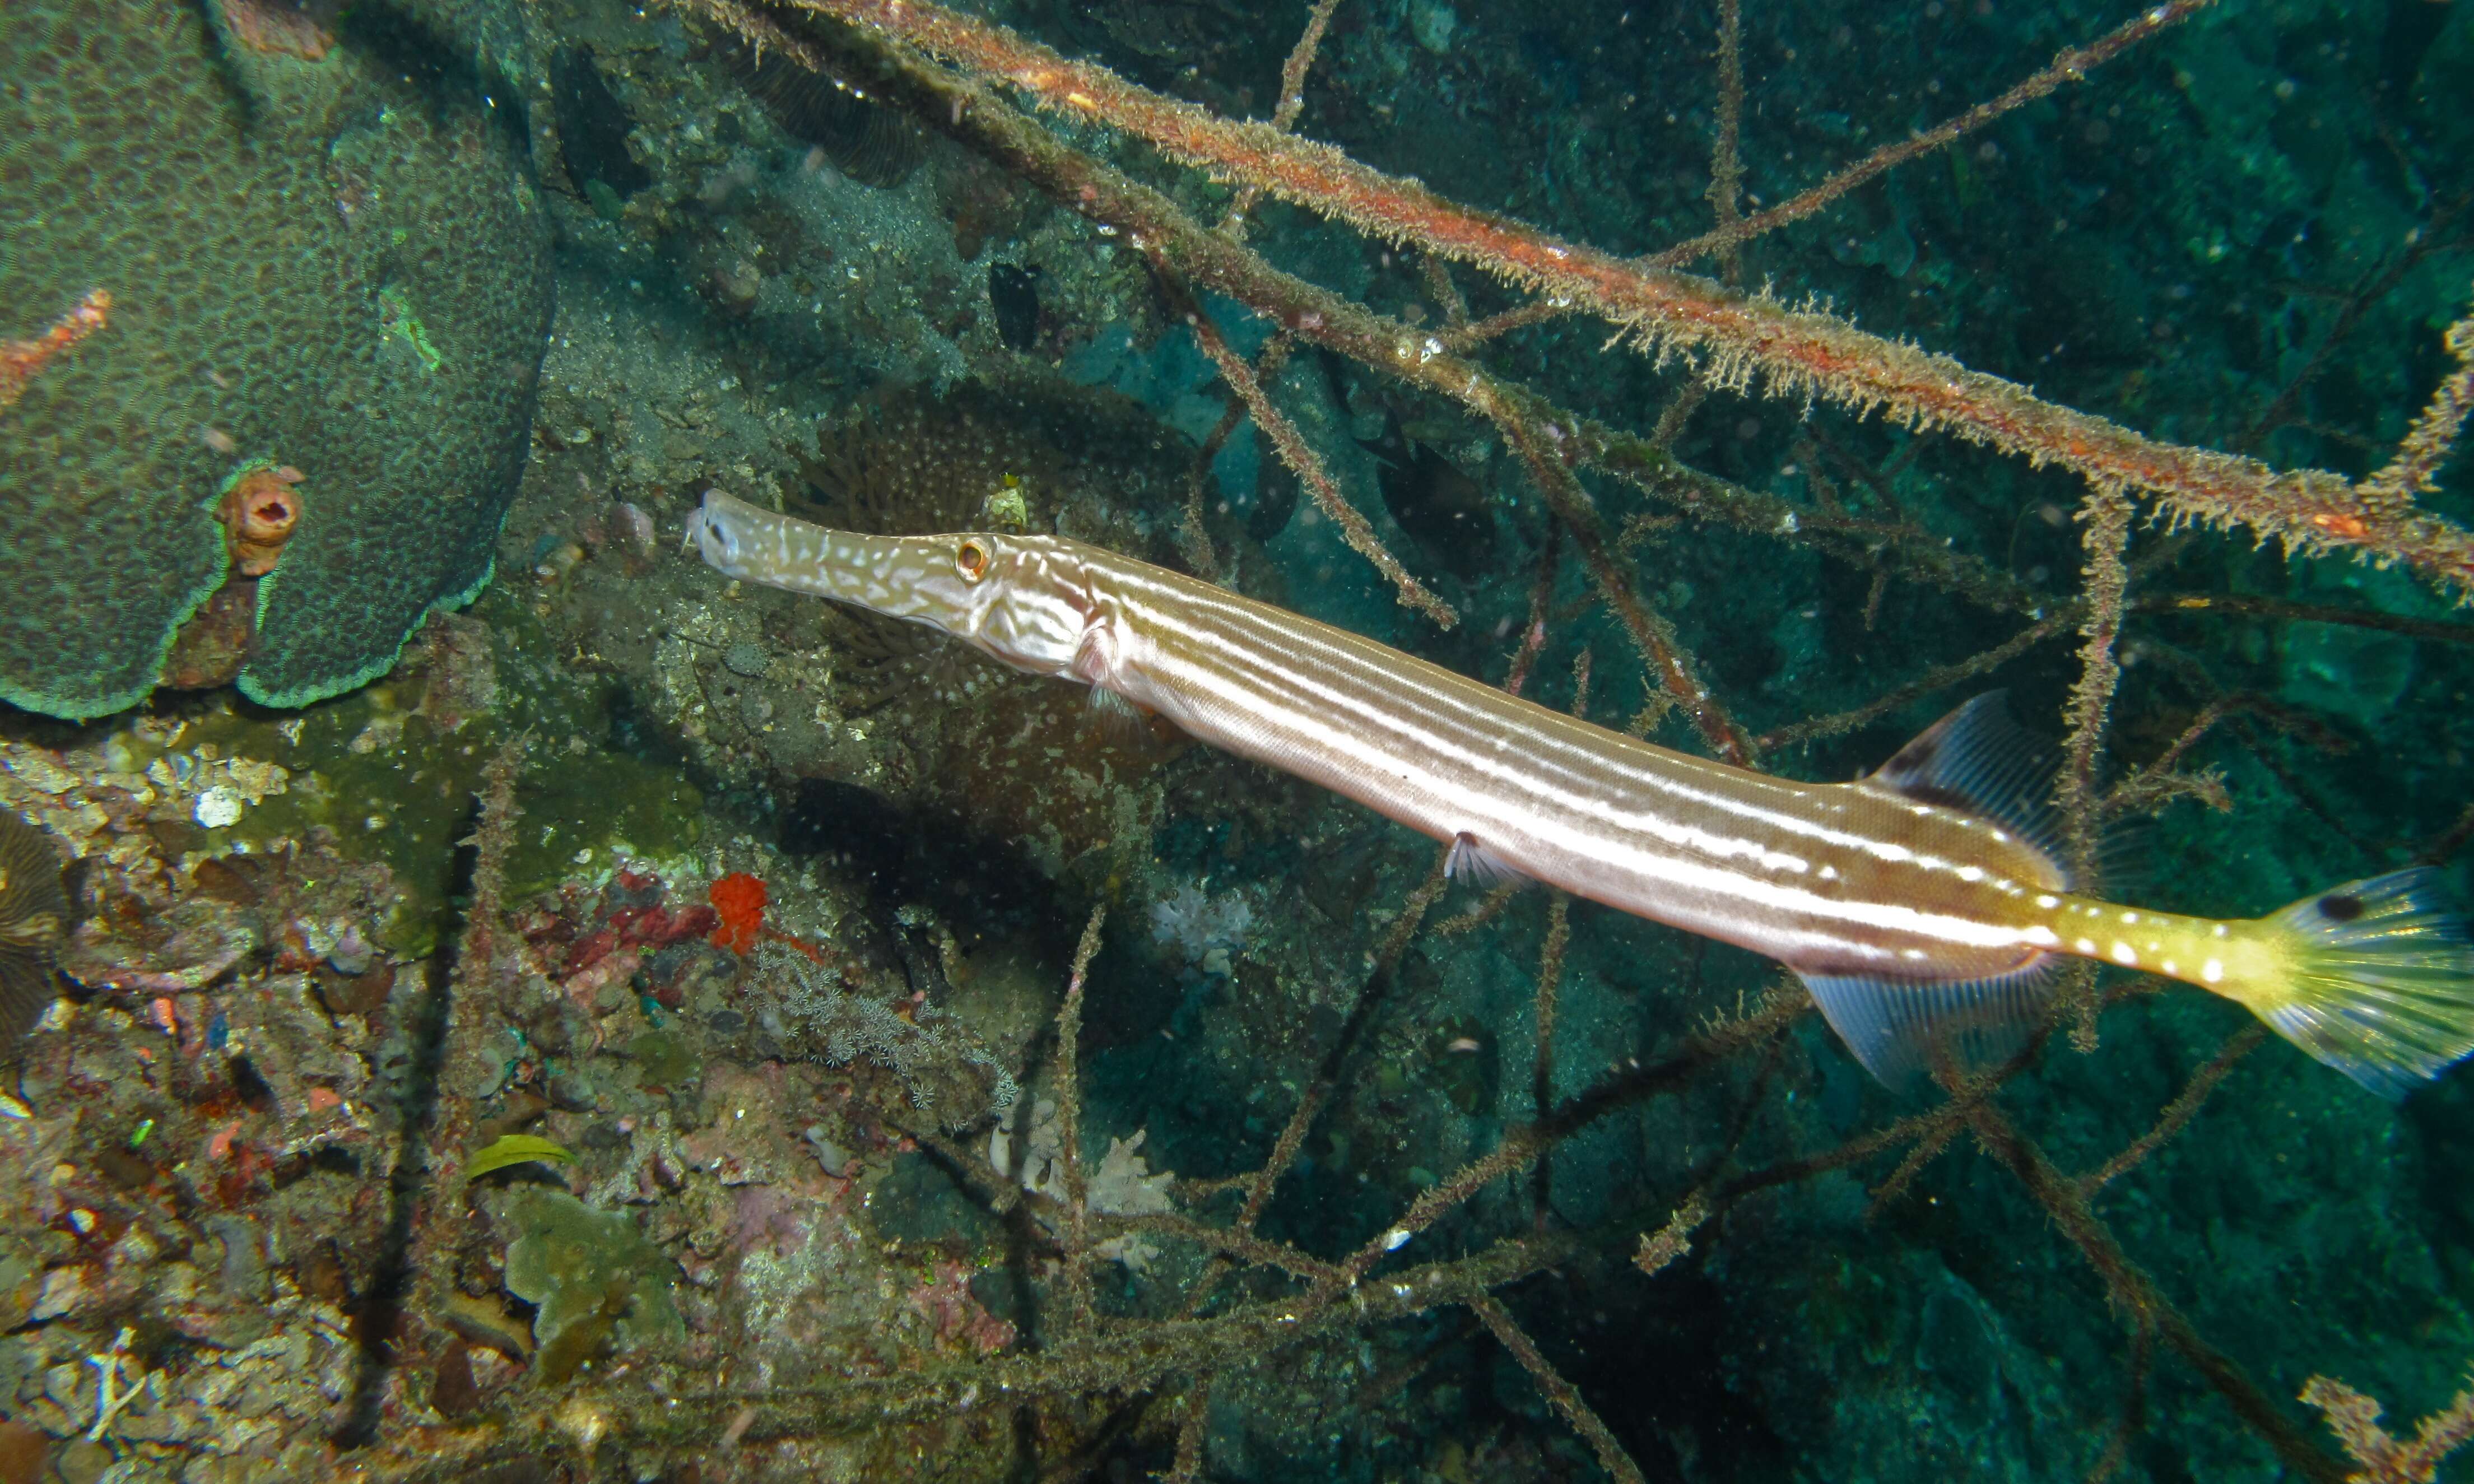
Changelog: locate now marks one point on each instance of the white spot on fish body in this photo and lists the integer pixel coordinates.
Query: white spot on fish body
(2123, 953)
(2213, 970)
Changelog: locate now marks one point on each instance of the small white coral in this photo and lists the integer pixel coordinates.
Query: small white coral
(1121, 1184)
(1197, 924)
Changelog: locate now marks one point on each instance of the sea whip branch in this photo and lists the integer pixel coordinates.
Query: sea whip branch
(971, 114)
(1798, 353)
(2072, 64)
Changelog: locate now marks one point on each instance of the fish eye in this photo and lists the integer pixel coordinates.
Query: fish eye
(971, 559)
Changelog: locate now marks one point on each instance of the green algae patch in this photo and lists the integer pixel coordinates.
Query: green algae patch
(386, 783)
(580, 808)
(393, 786)
(665, 1059)
(601, 1288)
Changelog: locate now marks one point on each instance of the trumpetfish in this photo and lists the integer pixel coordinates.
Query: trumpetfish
(1926, 906)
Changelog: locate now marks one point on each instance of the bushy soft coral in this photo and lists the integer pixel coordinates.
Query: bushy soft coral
(1195, 922)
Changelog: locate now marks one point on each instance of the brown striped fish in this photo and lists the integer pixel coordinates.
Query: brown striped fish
(1925, 905)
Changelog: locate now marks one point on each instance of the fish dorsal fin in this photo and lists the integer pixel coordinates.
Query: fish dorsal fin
(1900, 1027)
(1978, 761)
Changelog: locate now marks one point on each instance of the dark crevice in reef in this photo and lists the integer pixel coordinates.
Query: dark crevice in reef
(378, 1316)
(593, 127)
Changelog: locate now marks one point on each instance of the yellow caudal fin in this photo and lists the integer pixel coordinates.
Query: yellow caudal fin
(2377, 981)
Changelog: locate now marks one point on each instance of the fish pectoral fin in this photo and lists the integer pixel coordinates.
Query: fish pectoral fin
(1980, 760)
(1120, 719)
(1471, 858)
(1899, 1028)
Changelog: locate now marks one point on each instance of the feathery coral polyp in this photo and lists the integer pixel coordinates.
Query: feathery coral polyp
(21, 359)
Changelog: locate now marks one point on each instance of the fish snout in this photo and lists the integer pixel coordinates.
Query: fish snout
(716, 538)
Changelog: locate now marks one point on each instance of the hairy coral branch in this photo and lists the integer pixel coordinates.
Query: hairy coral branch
(1560, 1392)
(2430, 237)
(1192, 1414)
(687, 1410)
(2434, 435)
(2178, 1112)
(2107, 513)
(1671, 1242)
(1191, 535)
(1293, 72)
(1920, 1155)
(1904, 548)
(1067, 1086)
(472, 1013)
(1296, 452)
(1378, 987)
(1726, 156)
(2244, 605)
(1540, 448)
(1541, 1072)
(2072, 64)
(2354, 1419)
(1940, 677)
(2133, 1420)
(1541, 595)
(1312, 313)
(2137, 1297)
(1797, 352)
(1293, 102)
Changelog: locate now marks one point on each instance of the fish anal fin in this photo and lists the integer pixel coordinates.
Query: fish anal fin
(1899, 1028)
(1471, 858)
(1980, 760)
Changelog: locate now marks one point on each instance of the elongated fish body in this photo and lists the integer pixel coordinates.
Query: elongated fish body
(1923, 903)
